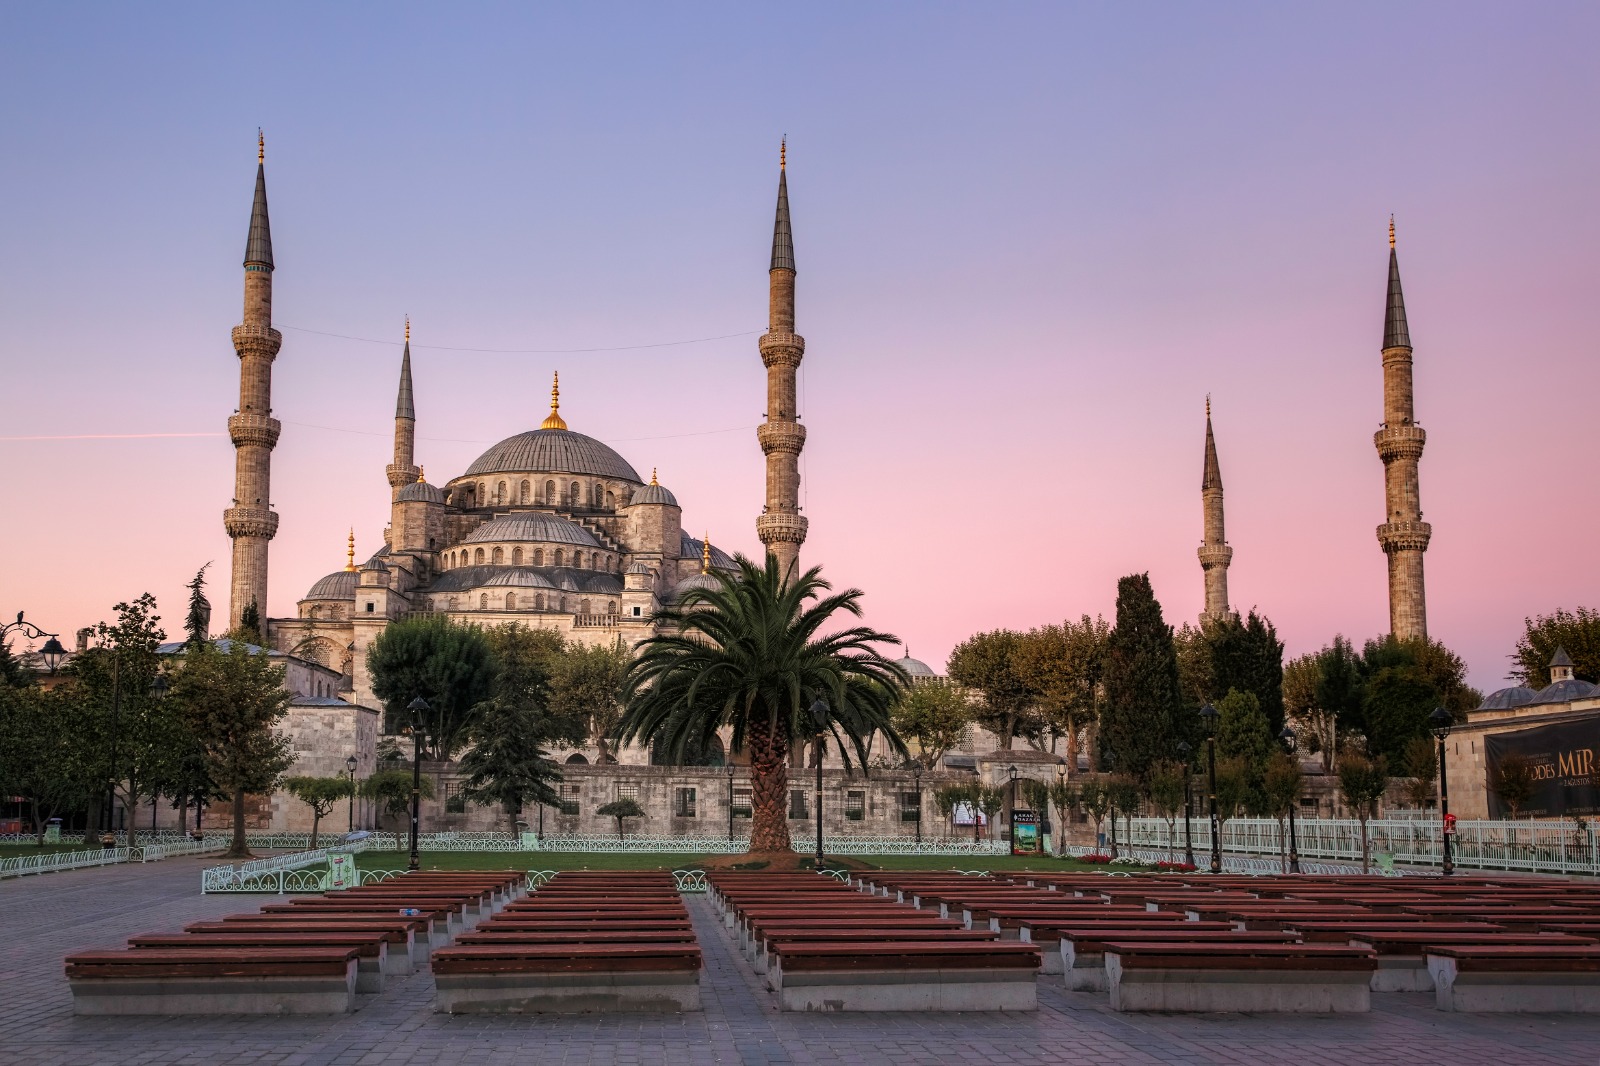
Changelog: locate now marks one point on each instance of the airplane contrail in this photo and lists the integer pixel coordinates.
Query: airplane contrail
(111, 436)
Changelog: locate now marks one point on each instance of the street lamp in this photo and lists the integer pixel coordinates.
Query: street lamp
(1188, 803)
(52, 653)
(730, 803)
(819, 715)
(1108, 760)
(350, 768)
(916, 784)
(1287, 736)
(1208, 718)
(418, 707)
(1439, 723)
(1011, 807)
(1061, 812)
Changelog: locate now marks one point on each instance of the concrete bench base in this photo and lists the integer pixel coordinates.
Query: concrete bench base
(1513, 992)
(1402, 973)
(907, 990)
(566, 993)
(1082, 971)
(214, 995)
(1216, 990)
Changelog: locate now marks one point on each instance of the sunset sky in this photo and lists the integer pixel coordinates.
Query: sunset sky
(1031, 239)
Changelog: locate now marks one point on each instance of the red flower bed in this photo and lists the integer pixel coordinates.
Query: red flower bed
(1176, 867)
(1095, 857)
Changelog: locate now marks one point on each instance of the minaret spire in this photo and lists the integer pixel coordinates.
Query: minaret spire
(1215, 554)
(404, 471)
(251, 522)
(781, 527)
(1404, 536)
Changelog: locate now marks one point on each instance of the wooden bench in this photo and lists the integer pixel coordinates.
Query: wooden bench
(1273, 978)
(1516, 980)
(1048, 933)
(372, 949)
(399, 933)
(1402, 954)
(1080, 953)
(893, 976)
(213, 981)
(765, 939)
(567, 978)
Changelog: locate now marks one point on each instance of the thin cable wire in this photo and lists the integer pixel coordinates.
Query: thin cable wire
(527, 351)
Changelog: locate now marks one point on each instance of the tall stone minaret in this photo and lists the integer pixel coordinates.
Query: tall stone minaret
(1215, 555)
(1404, 537)
(251, 522)
(403, 471)
(781, 526)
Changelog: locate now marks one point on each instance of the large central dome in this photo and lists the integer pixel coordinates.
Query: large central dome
(552, 451)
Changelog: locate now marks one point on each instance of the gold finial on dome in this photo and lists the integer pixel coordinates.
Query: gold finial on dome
(422, 474)
(783, 153)
(261, 146)
(554, 419)
(705, 554)
(1391, 231)
(350, 552)
(653, 476)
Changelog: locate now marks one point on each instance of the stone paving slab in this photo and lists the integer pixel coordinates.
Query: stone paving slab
(47, 917)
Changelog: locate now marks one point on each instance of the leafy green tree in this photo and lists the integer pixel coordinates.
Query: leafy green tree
(249, 627)
(233, 702)
(620, 809)
(507, 766)
(1243, 731)
(1301, 678)
(391, 791)
(1247, 655)
(1124, 793)
(1141, 718)
(1163, 785)
(1514, 782)
(1281, 787)
(1362, 781)
(1396, 703)
(1338, 688)
(1066, 797)
(524, 662)
(197, 624)
(12, 673)
(49, 754)
(750, 654)
(1062, 667)
(1577, 631)
(586, 688)
(448, 664)
(320, 794)
(991, 801)
(988, 664)
(934, 717)
(1235, 788)
(1195, 673)
(1096, 802)
(1421, 765)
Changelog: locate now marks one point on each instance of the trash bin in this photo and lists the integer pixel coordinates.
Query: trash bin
(52, 831)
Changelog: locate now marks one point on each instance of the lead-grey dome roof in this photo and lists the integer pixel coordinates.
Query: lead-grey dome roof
(532, 526)
(339, 585)
(695, 581)
(915, 667)
(691, 548)
(653, 494)
(1507, 698)
(552, 451)
(463, 578)
(1564, 692)
(421, 490)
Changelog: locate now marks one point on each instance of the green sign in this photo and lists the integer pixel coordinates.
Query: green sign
(341, 872)
(1024, 833)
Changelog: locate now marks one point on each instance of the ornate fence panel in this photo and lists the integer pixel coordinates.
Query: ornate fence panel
(56, 861)
(279, 874)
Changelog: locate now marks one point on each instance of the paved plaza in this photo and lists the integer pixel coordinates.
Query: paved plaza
(46, 917)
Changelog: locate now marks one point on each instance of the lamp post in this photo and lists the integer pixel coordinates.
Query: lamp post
(52, 653)
(730, 803)
(1011, 807)
(1108, 759)
(418, 707)
(1287, 736)
(819, 715)
(1208, 717)
(916, 784)
(1060, 830)
(1188, 803)
(350, 768)
(1439, 723)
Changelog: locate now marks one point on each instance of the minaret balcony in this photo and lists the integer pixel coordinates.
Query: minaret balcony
(786, 437)
(1400, 442)
(401, 476)
(250, 522)
(248, 428)
(1404, 536)
(1214, 555)
(782, 349)
(256, 340)
(777, 528)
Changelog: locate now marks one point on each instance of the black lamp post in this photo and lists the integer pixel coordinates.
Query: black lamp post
(730, 803)
(1188, 803)
(418, 707)
(1108, 759)
(1060, 830)
(1208, 717)
(1439, 723)
(350, 768)
(916, 784)
(1287, 736)
(52, 653)
(1011, 807)
(819, 715)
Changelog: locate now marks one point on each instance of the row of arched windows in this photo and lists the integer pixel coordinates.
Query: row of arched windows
(551, 494)
(498, 556)
(334, 612)
(530, 602)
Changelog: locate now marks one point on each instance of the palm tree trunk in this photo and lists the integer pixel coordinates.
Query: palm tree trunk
(769, 788)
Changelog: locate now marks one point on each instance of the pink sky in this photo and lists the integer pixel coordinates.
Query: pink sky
(1029, 245)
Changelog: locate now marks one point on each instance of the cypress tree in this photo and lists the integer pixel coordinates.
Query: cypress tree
(198, 622)
(1247, 655)
(1142, 720)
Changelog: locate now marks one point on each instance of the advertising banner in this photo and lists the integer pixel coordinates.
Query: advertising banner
(1024, 832)
(1561, 760)
(341, 872)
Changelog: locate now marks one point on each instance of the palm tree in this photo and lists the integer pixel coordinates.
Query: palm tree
(749, 654)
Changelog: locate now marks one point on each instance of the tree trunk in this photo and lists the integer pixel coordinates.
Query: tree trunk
(769, 789)
(1365, 862)
(316, 823)
(183, 813)
(130, 810)
(240, 849)
(1072, 748)
(1283, 846)
(511, 821)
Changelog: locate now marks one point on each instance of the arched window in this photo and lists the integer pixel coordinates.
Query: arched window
(523, 495)
(539, 602)
(577, 759)
(575, 495)
(477, 556)
(558, 556)
(538, 557)
(611, 607)
(596, 493)
(516, 556)
(316, 612)
(483, 493)
(511, 601)
(483, 601)
(335, 613)
(583, 606)
(577, 558)
(500, 493)
(498, 556)
(550, 493)
(455, 603)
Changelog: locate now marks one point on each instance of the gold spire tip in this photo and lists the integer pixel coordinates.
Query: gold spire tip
(1391, 231)
(422, 474)
(783, 153)
(705, 553)
(1208, 407)
(653, 480)
(408, 329)
(261, 146)
(554, 419)
(350, 551)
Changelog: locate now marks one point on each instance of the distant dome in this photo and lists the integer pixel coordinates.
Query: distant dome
(1507, 698)
(339, 585)
(422, 492)
(915, 667)
(552, 451)
(637, 568)
(518, 577)
(691, 548)
(653, 494)
(695, 581)
(534, 526)
(375, 563)
(1564, 692)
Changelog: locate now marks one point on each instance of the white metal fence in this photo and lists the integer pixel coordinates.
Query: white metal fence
(57, 861)
(280, 873)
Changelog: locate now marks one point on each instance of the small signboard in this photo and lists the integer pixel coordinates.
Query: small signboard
(1024, 832)
(341, 872)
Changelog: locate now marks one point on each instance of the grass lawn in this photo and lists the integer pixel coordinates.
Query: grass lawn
(563, 860)
(8, 851)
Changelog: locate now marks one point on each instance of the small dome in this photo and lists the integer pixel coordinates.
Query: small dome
(552, 451)
(339, 585)
(638, 568)
(1564, 692)
(695, 581)
(1507, 698)
(375, 563)
(532, 526)
(653, 493)
(421, 492)
(691, 547)
(915, 667)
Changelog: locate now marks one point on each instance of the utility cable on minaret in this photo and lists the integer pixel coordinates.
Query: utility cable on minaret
(780, 526)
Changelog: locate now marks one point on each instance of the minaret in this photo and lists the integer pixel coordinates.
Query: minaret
(403, 471)
(1404, 537)
(781, 527)
(251, 522)
(1215, 555)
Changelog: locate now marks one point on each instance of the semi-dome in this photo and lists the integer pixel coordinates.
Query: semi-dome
(339, 585)
(637, 567)
(552, 451)
(695, 581)
(421, 491)
(915, 667)
(565, 578)
(519, 577)
(1506, 698)
(532, 526)
(653, 493)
